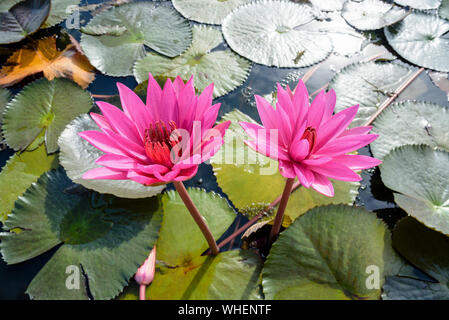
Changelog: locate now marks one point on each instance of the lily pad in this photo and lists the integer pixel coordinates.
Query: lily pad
(21, 170)
(421, 38)
(444, 9)
(102, 237)
(22, 19)
(403, 288)
(276, 33)
(206, 11)
(224, 68)
(5, 96)
(427, 250)
(244, 175)
(368, 84)
(60, 10)
(410, 122)
(330, 253)
(43, 106)
(420, 175)
(372, 14)
(182, 272)
(419, 4)
(328, 5)
(160, 28)
(77, 156)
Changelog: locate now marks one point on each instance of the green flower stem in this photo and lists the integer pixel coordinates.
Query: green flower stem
(281, 210)
(196, 216)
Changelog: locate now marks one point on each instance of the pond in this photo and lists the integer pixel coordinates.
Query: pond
(365, 50)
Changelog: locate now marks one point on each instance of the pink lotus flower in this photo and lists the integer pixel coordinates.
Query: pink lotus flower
(158, 142)
(309, 142)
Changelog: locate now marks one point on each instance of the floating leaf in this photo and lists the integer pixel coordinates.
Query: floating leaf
(22, 19)
(427, 250)
(372, 14)
(21, 170)
(5, 5)
(159, 27)
(244, 175)
(60, 10)
(275, 33)
(77, 156)
(206, 11)
(368, 84)
(43, 56)
(410, 122)
(224, 68)
(420, 38)
(5, 96)
(104, 237)
(43, 106)
(444, 9)
(419, 4)
(328, 5)
(329, 253)
(420, 175)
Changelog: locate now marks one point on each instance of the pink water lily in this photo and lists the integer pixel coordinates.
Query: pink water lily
(157, 142)
(311, 143)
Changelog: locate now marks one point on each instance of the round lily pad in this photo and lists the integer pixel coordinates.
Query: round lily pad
(443, 10)
(276, 33)
(21, 170)
(330, 253)
(78, 156)
(372, 14)
(22, 19)
(43, 106)
(421, 38)
(101, 240)
(328, 5)
(206, 11)
(419, 4)
(5, 96)
(367, 84)
(420, 175)
(134, 26)
(60, 10)
(224, 68)
(244, 175)
(410, 122)
(403, 288)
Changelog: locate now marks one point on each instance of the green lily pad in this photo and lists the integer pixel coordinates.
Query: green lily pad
(206, 11)
(402, 288)
(244, 175)
(224, 68)
(21, 170)
(443, 10)
(419, 4)
(421, 38)
(427, 250)
(368, 84)
(372, 14)
(276, 33)
(43, 106)
(330, 253)
(101, 237)
(5, 96)
(77, 156)
(159, 27)
(22, 19)
(5, 5)
(420, 175)
(182, 273)
(410, 122)
(60, 10)
(328, 5)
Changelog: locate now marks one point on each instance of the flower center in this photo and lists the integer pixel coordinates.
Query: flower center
(310, 135)
(159, 141)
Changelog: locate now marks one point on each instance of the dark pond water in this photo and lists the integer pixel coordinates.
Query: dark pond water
(373, 195)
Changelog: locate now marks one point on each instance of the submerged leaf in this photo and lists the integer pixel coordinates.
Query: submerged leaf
(224, 68)
(43, 56)
(122, 33)
(274, 33)
(102, 237)
(420, 175)
(43, 106)
(60, 10)
(22, 19)
(329, 253)
(78, 156)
